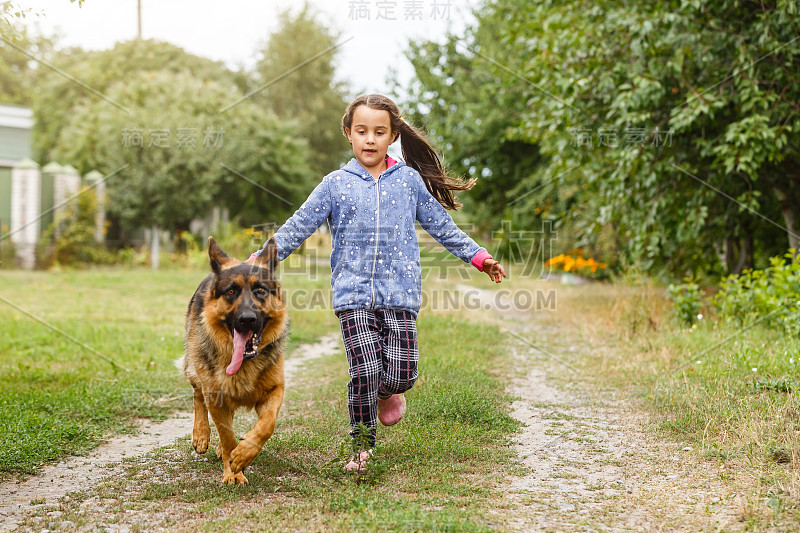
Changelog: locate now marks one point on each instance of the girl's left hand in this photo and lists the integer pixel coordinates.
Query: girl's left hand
(494, 269)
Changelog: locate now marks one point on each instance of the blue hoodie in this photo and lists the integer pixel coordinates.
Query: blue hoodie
(375, 259)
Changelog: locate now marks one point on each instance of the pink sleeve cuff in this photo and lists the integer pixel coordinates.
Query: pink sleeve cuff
(253, 256)
(479, 258)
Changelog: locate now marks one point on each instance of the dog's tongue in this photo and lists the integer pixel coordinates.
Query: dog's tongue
(239, 342)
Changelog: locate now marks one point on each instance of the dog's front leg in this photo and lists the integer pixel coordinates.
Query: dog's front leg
(223, 419)
(254, 439)
(201, 431)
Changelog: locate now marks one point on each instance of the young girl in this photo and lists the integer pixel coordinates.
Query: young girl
(371, 205)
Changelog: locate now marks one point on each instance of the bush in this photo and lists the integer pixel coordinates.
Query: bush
(70, 239)
(236, 242)
(686, 299)
(8, 254)
(770, 296)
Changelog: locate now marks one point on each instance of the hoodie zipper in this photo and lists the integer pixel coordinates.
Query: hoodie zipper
(377, 228)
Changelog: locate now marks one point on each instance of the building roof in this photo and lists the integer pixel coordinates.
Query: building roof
(16, 117)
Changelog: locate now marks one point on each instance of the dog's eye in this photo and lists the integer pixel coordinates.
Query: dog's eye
(231, 292)
(261, 291)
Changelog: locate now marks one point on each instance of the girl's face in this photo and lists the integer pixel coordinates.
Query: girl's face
(371, 134)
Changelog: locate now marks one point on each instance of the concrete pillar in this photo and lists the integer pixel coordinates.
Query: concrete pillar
(67, 184)
(26, 190)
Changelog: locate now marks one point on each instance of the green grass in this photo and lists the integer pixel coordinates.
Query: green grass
(736, 401)
(60, 396)
(439, 469)
(735, 398)
(721, 387)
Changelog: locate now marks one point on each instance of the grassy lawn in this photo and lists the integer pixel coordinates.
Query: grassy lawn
(440, 468)
(104, 358)
(437, 470)
(730, 392)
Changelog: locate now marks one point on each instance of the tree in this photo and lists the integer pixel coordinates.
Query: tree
(267, 176)
(93, 73)
(669, 125)
(302, 91)
(459, 104)
(16, 67)
(17, 70)
(10, 13)
(168, 148)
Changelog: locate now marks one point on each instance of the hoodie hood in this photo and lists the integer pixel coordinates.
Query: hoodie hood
(354, 167)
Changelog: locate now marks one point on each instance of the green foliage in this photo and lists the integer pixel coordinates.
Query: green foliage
(10, 12)
(628, 117)
(305, 93)
(17, 71)
(70, 239)
(686, 301)
(770, 296)
(468, 111)
(236, 242)
(8, 254)
(158, 181)
(269, 176)
(57, 97)
(178, 131)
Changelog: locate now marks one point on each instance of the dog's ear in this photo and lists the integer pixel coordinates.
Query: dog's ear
(216, 256)
(268, 258)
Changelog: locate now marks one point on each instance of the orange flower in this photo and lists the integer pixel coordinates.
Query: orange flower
(557, 260)
(574, 261)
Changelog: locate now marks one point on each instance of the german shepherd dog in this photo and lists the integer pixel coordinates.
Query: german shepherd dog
(236, 332)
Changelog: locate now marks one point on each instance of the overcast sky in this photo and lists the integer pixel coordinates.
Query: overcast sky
(232, 31)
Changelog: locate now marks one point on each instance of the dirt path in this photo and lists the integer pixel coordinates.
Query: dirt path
(593, 463)
(71, 475)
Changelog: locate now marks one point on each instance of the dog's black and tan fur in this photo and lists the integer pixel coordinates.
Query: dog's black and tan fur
(244, 297)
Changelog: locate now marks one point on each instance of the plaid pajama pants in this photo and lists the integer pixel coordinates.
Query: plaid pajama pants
(382, 353)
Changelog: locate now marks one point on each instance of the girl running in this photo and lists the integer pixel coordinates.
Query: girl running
(371, 205)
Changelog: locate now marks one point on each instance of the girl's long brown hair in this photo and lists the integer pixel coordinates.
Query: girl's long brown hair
(417, 150)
